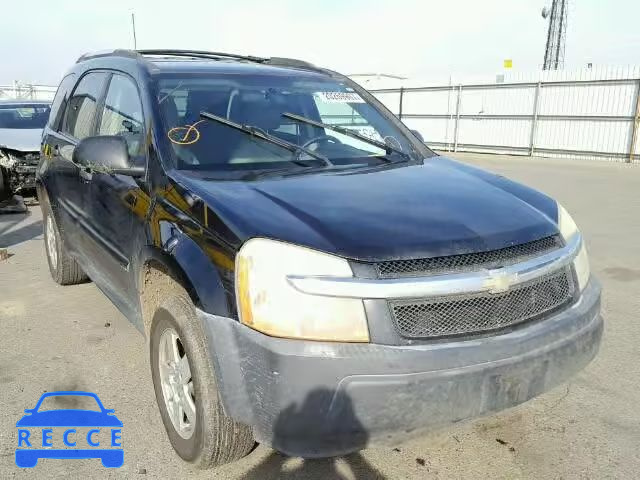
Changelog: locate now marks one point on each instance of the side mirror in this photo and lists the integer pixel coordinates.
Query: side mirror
(107, 154)
(418, 134)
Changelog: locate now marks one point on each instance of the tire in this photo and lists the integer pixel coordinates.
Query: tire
(63, 268)
(214, 439)
(5, 193)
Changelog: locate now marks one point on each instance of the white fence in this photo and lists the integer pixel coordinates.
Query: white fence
(593, 114)
(592, 118)
(27, 91)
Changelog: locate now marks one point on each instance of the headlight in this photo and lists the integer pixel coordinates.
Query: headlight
(269, 303)
(568, 229)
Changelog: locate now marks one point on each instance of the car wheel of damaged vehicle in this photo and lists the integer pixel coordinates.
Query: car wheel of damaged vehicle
(64, 269)
(5, 193)
(185, 385)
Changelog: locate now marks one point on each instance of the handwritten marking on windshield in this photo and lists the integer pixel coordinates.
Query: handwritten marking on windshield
(186, 135)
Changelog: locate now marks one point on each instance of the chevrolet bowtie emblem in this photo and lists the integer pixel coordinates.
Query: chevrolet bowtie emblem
(500, 281)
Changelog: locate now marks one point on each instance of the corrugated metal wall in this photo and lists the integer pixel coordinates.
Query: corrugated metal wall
(593, 115)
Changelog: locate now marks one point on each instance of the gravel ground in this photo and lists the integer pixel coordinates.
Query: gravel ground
(56, 338)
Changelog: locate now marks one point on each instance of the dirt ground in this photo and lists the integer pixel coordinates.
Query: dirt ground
(73, 338)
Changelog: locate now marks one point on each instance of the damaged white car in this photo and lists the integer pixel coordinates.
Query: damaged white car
(21, 124)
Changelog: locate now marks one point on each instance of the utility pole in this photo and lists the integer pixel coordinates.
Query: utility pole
(133, 26)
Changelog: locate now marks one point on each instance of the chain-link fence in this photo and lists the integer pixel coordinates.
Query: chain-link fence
(27, 91)
(591, 118)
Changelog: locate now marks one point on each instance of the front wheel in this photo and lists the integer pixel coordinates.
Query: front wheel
(186, 391)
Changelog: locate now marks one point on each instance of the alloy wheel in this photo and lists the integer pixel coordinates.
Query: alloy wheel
(51, 243)
(177, 384)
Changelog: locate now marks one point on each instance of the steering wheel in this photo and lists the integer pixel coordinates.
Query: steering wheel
(321, 139)
(318, 139)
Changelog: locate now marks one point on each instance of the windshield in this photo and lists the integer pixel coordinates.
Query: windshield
(24, 115)
(270, 104)
(66, 402)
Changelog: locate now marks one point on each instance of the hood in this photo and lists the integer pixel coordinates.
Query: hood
(22, 140)
(439, 208)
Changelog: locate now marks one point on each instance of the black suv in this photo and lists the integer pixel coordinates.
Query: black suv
(307, 272)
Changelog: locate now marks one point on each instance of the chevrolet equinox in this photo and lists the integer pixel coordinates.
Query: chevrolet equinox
(307, 272)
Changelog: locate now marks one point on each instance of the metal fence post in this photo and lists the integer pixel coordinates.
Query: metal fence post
(457, 124)
(534, 119)
(634, 127)
(400, 106)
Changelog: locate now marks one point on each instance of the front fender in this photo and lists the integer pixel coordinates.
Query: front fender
(202, 274)
(187, 263)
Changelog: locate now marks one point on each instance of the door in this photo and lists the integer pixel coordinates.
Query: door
(117, 203)
(67, 188)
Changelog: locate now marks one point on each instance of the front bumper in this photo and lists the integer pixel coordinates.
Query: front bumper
(315, 399)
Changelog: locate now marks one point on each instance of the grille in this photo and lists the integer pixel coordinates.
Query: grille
(31, 157)
(475, 261)
(464, 314)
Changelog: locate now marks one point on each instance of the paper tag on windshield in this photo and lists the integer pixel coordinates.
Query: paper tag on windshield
(339, 97)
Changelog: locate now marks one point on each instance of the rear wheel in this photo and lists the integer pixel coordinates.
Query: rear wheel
(186, 391)
(63, 268)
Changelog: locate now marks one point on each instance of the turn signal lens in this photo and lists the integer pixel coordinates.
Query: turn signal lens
(568, 229)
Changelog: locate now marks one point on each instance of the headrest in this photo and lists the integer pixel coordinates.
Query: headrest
(258, 110)
(170, 111)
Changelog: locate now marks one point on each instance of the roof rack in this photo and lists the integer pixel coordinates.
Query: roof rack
(136, 54)
(119, 52)
(290, 62)
(201, 54)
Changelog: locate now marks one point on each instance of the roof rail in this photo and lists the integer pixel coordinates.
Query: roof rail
(118, 52)
(137, 54)
(201, 54)
(291, 62)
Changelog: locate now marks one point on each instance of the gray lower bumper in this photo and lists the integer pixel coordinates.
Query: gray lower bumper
(322, 399)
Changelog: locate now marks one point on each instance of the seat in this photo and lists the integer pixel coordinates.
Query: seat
(170, 112)
(264, 114)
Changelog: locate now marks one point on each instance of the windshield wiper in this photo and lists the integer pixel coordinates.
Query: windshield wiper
(258, 133)
(347, 132)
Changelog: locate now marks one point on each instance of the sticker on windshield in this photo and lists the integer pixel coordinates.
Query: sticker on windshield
(339, 97)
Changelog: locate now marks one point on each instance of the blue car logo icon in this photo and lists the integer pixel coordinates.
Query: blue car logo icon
(102, 428)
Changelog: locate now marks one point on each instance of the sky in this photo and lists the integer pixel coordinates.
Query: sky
(41, 39)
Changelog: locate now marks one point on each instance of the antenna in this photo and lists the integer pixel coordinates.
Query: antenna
(133, 26)
(556, 34)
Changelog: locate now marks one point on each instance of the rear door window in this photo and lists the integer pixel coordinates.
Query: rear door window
(81, 110)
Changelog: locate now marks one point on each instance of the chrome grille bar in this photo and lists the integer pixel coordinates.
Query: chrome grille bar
(488, 280)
